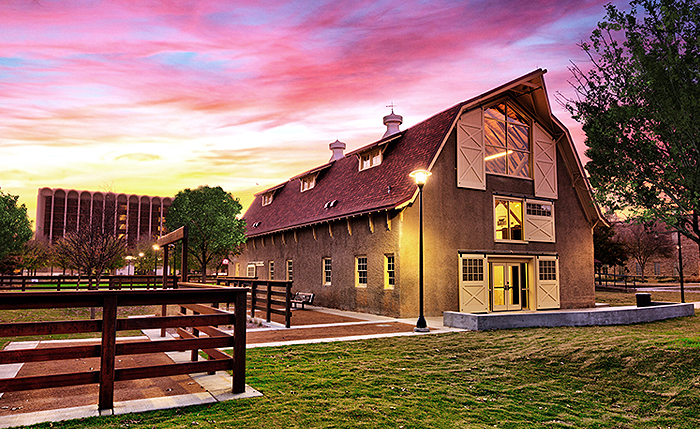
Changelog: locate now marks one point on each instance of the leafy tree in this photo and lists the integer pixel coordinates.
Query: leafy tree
(644, 241)
(36, 254)
(15, 227)
(608, 248)
(639, 105)
(214, 229)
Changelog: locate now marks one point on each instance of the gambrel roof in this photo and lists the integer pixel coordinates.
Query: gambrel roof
(388, 185)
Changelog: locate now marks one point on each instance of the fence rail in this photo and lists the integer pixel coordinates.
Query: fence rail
(205, 321)
(615, 280)
(59, 283)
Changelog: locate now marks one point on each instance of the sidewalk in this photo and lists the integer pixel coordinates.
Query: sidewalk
(311, 325)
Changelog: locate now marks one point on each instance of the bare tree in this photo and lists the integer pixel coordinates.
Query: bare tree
(645, 241)
(94, 247)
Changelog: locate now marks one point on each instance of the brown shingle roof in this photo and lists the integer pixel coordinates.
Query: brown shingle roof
(357, 192)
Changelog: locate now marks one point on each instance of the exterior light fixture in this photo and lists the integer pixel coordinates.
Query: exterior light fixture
(420, 176)
(156, 248)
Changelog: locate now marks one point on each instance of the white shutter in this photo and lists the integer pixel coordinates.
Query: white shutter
(545, 155)
(547, 277)
(539, 228)
(473, 284)
(471, 172)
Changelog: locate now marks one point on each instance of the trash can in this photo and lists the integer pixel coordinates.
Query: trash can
(643, 300)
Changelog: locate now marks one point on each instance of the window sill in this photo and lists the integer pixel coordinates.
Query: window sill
(511, 177)
(512, 241)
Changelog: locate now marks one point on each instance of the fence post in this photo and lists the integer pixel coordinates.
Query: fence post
(109, 334)
(288, 305)
(253, 296)
(239, 344)
(269, 300)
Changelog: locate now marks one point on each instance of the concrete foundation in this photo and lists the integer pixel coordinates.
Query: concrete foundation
(585, 317)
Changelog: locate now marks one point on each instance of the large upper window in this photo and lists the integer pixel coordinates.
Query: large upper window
(507, 141)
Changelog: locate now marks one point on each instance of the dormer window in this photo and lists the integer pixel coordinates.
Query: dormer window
(308, 182)
(371, 158)
(267, 198)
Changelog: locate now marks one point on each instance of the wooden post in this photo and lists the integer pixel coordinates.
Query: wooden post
(183, 265)
(269, 300)
(109, 334)
(239, 344)
(253, 296)
(288, 305)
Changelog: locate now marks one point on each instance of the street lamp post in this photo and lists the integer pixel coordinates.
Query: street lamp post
(155, 257)
(420, 176)
(680, 268)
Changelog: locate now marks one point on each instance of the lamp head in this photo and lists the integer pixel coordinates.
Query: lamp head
(156, 247)
(141, 254)
(420, 176)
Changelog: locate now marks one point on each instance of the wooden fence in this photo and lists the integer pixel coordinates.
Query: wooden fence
(268, 296)
(59, 283)
(206, 322)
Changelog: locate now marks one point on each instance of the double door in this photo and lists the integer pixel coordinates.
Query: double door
(509, 285)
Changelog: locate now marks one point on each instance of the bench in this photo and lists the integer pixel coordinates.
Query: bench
(302, 298)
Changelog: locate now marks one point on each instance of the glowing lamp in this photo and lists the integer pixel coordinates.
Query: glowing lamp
(420, 176)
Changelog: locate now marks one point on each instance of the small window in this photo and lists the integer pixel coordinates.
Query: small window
(327, 271)
(473, 270)
(508, 219)
(539, 209)
(371, 158)
(290, 270)
(308, 182)
(548, 270)
(361, 272)
(267, 198)
(250, 270)
(238, 269)
(389, 271)
(638, 268)
(657, 269)
(271, 270)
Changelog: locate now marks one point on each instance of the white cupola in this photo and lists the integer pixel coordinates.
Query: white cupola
(392, 123)
(337, 147)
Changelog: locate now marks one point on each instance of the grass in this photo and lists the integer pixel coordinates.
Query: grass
(637, 376)
(619, 298)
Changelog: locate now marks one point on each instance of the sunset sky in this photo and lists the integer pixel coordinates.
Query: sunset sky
(150, 97)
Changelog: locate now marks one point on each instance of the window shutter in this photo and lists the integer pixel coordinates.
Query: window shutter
(471, 171)
(473, 284)
(545, 155)
(547, 282)
(539, 228)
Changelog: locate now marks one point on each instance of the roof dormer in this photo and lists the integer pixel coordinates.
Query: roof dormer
(370, 158)
(308, 182)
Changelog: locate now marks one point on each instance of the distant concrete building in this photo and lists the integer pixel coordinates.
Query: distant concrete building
(61, 211)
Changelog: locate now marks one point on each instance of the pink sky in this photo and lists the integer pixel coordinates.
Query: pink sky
(150, 97)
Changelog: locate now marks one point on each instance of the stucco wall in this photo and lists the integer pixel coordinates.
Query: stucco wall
(459, 219)
(342, 247)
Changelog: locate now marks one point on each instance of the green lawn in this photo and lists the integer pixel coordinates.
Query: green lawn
(639, 376)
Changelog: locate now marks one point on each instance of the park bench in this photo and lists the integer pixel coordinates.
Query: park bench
(302, 298)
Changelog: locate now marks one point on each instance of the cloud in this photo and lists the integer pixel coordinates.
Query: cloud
(138, 157)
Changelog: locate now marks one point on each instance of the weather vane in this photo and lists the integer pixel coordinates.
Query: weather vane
(392, 105)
